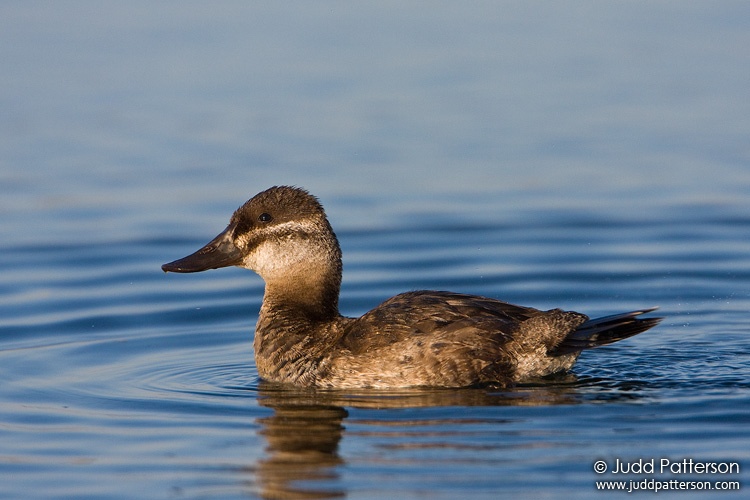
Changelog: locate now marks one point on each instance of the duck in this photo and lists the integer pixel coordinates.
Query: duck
(425, 338)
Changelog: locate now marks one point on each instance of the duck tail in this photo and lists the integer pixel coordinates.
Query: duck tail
(602, 331)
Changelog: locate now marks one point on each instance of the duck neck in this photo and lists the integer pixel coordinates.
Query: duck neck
(308, 297)
(297, 325)
(299, 318)
(302, 275)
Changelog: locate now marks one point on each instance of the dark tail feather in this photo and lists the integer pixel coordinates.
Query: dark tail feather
(601, 331)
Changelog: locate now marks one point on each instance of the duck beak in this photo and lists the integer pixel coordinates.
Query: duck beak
(219, 252)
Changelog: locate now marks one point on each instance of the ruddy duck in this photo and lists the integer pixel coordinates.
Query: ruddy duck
(422, 338)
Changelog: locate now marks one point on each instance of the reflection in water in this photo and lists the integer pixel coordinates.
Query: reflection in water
(303, 434)
(303, 441)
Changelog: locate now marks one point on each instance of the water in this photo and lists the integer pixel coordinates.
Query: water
(586, 156)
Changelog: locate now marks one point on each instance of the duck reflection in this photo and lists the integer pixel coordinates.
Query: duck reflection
(303, 434)
(302, 453)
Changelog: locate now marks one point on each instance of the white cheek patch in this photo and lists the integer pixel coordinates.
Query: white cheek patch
(273, 257)
(281, 248)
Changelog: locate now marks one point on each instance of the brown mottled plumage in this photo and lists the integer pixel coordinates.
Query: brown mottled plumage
(424, 338)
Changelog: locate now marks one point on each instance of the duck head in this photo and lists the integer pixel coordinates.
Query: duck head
(283, 235)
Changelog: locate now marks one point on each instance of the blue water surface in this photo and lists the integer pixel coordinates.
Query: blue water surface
(584, 155)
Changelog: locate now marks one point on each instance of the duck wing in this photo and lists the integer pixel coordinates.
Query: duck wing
(438, 315)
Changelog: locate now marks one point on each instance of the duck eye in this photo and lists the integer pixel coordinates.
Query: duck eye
(265, 217)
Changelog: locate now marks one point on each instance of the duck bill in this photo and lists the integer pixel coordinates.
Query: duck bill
(219, 252)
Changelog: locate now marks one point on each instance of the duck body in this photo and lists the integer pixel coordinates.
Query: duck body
(421, 338)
